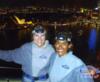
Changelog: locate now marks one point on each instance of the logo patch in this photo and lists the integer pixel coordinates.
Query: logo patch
(65, 66)
(43, 57)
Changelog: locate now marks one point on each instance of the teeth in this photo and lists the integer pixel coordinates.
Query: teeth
(60, 50)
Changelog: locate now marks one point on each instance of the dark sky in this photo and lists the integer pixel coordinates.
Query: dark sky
(50, 3)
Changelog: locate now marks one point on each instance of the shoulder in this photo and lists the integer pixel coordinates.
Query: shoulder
(49, 46)
(77, 62)
(26, 45)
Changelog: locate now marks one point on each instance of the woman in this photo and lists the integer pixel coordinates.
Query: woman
(64, 65)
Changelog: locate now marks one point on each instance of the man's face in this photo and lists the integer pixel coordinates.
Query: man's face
(61, 47)
(39, 39)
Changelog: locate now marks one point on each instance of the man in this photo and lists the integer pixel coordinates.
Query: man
(34, 56)
(65, 66)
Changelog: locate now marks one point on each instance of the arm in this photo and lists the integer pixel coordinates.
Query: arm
(6, 55)
(15, 55)
(82, 75)
(78, 75)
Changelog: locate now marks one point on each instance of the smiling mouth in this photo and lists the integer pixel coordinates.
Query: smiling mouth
(59, 50)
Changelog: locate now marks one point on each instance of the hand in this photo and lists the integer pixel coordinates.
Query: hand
(93, 71)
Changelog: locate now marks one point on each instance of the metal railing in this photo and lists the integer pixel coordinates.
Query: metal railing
(9, 79)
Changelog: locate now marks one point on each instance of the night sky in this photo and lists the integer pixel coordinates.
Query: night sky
(49, 3)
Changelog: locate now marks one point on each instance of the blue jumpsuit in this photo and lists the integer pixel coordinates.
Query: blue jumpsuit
(34, 60)
(68, 68)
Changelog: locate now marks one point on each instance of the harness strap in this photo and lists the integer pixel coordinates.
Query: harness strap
(42, 77)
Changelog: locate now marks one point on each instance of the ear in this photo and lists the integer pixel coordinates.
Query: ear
(70, 45)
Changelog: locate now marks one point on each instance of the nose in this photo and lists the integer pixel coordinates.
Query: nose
(59, 46)
(39, 39)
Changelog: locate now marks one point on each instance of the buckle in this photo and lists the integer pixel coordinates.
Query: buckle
(44, 77)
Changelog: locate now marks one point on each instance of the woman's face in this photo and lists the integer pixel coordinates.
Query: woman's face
(61, 47)
(39, 39)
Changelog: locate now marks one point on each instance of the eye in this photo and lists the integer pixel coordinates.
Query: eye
(35, 35)
(56, 44)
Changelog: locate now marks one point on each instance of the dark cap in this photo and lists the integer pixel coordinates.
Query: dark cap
(39, 29)
(64, 36)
